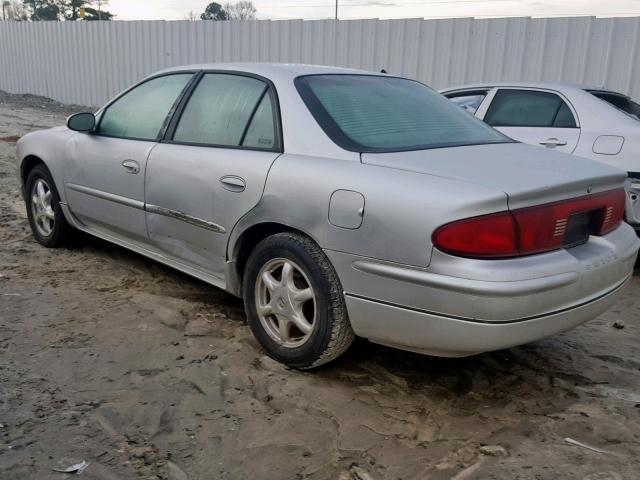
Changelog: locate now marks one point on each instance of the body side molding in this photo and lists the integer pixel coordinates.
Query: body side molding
(198, 222)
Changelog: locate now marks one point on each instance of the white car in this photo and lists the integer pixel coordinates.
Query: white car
(589, 122)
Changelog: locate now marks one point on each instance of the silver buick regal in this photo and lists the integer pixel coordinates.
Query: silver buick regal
(338, 203)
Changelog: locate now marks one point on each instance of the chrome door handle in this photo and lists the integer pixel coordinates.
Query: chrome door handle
(553, 142)
(233, 183)
(131, 166)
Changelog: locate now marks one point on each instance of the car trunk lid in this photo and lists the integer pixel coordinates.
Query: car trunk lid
(528, 175)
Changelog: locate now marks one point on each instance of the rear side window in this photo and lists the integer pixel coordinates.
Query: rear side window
(564, 117)
(261, 132)
(529, 108)
(370, 113)
(141, 113)
(469, 101)
(220, 111)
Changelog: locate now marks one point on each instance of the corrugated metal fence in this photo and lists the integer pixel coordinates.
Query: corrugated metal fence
(89, 62)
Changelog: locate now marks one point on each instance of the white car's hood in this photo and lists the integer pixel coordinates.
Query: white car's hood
(527, 174)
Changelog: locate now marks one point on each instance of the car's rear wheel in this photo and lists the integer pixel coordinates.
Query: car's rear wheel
(48, 225)
(294, 302)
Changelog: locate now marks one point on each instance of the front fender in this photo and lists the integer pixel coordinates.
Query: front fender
(48, 146)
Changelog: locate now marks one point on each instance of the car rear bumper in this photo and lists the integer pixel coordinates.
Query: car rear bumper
(438, 335)
(458, 306)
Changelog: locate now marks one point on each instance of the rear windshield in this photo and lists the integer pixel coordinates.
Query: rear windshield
(369, 113)
(621, 102)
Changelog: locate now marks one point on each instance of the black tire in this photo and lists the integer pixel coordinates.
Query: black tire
(61, 233)
(332, 333)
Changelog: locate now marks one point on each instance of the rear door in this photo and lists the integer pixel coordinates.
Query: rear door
(105, 170)
(538, 117)
(211, 168)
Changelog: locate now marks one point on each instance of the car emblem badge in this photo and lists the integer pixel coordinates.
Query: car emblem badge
(589, 188)
(281, 302)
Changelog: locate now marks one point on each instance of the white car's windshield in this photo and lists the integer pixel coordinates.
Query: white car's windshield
(369, 113)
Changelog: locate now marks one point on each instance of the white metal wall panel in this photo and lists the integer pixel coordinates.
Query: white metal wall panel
(89, 62)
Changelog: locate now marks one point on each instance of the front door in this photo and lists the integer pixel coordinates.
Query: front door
(536, 117)
(211, 169)
(105, 170)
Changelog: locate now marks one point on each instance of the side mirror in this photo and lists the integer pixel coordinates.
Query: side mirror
(81, 122)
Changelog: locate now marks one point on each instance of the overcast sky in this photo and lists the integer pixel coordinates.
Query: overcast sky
(314, 9)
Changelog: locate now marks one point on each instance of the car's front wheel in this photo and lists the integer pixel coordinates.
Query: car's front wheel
(47, 221)
(294, 302)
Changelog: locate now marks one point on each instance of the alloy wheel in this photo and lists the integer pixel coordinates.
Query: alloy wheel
(42, 207)
(285, 302)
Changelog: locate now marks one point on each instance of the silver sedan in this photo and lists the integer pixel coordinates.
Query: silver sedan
(338, 203)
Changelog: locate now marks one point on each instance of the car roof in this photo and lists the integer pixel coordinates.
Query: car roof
(270, 70)
(559, 86)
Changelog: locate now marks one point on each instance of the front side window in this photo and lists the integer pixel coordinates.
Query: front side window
(141, 113)
(529, 108)
(469, 101)
(220, 113)
(370, 113)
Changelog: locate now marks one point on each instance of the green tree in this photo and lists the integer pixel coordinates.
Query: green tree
(71, 10)
(214, 11)
(45, 10)
(93, 14)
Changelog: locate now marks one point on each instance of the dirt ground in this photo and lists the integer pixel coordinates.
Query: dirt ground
(143, 372)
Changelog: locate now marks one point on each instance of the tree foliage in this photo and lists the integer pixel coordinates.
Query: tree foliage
(42, 9)
(243, 10)
(95, 14)
(214, 11)
(71, 8)
(65, 10)
(14, 11)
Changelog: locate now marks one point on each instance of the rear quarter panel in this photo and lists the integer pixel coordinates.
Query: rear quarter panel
(402, 208)
(598, 118)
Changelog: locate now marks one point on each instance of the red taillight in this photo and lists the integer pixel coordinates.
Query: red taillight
(482, 237)
(531, 230)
